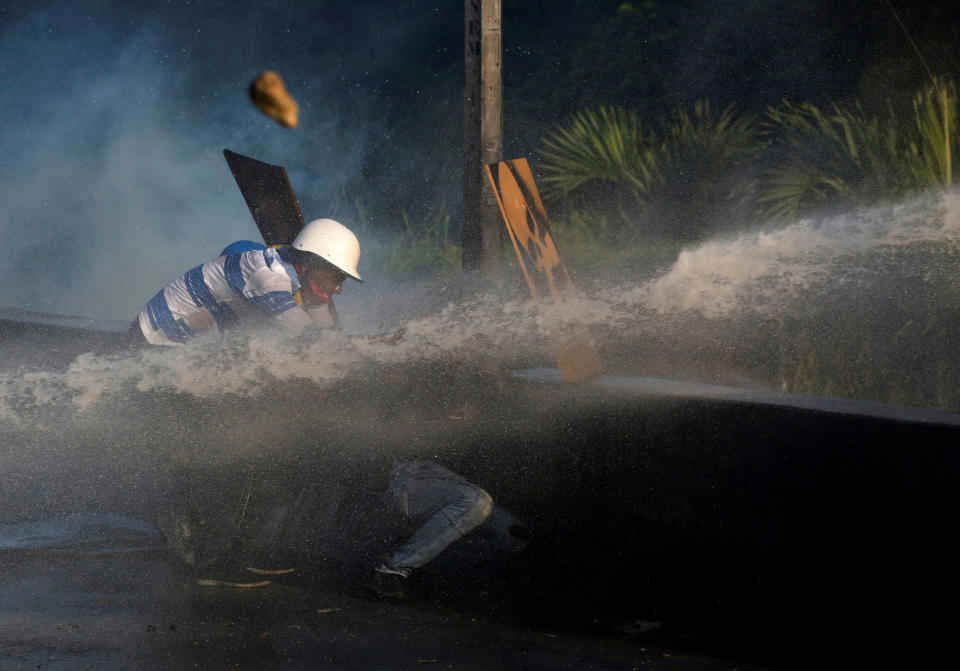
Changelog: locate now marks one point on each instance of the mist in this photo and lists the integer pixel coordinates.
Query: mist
(113, 180)
(692, 482)
(116, 114)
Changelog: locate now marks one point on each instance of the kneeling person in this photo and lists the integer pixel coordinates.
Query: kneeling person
(422, 512)
(290, 286)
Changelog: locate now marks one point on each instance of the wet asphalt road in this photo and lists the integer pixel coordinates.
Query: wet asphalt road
(143, 610)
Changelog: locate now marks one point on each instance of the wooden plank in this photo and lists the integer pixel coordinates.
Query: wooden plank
(526, 220)
(269, 196)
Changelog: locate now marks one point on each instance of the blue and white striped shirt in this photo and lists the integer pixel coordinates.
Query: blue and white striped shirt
(222, 292)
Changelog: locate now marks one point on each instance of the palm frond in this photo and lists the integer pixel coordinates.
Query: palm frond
(681, 163)
(838, 157)
(935, 110)
(602, 145)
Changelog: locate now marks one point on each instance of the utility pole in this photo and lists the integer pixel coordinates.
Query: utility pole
(483, 134)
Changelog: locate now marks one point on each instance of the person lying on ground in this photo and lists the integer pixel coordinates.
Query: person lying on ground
(444, 505)
(389, 534)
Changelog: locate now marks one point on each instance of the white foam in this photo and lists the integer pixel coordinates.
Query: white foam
(766, 272)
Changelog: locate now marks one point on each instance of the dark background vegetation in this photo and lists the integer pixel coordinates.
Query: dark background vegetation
(652, 57)
(562, 57)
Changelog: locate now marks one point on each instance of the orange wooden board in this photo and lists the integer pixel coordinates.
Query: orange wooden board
(546, 275)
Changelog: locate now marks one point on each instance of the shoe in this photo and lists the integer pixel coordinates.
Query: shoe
(403, 571)
(389, 583)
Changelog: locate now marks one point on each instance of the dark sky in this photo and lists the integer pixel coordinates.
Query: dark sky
(115, 114)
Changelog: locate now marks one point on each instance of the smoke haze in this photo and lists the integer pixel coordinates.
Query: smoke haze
(115, 114)
(115, 118)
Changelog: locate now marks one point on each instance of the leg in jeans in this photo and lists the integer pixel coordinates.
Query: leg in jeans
(451, 510)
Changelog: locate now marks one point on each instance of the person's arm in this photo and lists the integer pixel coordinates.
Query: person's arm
(296, 321)
(272, 294)
(324, 316)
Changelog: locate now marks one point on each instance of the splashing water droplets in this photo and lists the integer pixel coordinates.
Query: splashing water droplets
(740, 299)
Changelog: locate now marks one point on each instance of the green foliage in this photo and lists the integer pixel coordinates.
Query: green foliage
(935, 110)
(418, 251)
(603, 145)
(839, 158)
(582, 240)
(707, 162)
(668, 182)
(844, 158)
(698, 173)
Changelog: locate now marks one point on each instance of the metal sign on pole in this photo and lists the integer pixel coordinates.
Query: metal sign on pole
(483, 134)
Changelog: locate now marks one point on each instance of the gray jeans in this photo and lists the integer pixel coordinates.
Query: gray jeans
(444, 504)
(340, 525)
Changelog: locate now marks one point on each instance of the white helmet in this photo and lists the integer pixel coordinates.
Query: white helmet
(333, 242)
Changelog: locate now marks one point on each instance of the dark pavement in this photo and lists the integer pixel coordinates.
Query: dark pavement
(143, 610)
